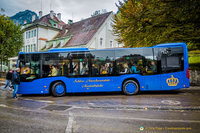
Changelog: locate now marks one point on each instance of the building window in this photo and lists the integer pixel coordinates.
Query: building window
(28, 48)
(26, 35)
(35, 33)
(34, 47)
(31, 48)
(32, 33)
(29, 34)
(111, 45)
(101, 42)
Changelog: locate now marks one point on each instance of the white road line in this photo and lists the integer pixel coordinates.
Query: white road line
(69, 124)
(91, 104)
(3, 105)
(139, 119)
(43, 101)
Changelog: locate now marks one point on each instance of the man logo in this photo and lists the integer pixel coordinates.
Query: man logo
(172, 81)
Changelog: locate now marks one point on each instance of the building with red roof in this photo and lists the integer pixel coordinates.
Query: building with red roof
(94, 33)
(41, 30)
(49, 31)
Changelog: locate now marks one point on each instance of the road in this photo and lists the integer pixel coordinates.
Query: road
(147, 112)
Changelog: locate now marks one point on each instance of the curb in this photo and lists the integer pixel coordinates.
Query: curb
(190, 108)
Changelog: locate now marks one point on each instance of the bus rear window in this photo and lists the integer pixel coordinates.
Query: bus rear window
(172, 59)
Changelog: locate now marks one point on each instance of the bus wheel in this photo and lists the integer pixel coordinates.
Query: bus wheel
(130, 87)
(58, 89)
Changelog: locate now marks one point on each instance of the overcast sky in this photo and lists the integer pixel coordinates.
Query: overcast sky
(69, 9)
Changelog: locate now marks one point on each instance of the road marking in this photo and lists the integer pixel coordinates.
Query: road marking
(70, 123)
(171, 102)
(139, 119)
(91, 104)
(43, 101)
(3, 105)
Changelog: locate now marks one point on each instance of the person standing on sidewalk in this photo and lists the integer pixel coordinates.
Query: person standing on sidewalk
(8, 79)
(15, 82)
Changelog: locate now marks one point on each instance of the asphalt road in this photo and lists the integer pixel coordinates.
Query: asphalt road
(148, 112)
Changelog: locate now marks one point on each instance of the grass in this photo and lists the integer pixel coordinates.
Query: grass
(194, 59)
(194, 52)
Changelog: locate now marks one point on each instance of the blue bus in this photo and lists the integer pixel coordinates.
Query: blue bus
(79, 70)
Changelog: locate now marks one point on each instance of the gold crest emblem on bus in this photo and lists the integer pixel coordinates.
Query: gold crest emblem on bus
(172, 81)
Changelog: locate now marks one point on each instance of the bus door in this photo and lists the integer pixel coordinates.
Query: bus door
(102, 72)
(88, 75)
(30, 71)
(151, 69)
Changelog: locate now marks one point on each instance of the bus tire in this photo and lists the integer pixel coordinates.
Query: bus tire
(58, 89)
(130, 87)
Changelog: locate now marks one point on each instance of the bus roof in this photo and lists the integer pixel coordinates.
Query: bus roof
(86, 49)
(170, 44)
(67, 49)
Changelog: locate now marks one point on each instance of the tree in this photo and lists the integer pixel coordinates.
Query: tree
(11, 38)
(98, 12)
(149, 22)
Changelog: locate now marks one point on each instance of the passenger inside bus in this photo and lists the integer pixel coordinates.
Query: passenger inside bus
(54, 71)
(25, 70)
(83, 70)
(65, 68)
(75, 69)
(110, 68)
(126, 69)
(94, 70)
(134, 68)
(104, 69)
(152, 68)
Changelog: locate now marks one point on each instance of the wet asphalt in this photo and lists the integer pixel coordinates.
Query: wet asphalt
(147, 112)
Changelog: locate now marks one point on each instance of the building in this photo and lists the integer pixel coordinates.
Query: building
(41, 30)
(94, 33)
(49, 31)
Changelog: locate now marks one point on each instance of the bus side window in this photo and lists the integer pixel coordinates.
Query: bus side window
(102, 63)
(79, 64)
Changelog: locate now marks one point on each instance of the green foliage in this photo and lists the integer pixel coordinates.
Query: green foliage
(11, 38)
(148, 22)
(194, 57)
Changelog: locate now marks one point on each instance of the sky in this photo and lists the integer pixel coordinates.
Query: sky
(69, 9)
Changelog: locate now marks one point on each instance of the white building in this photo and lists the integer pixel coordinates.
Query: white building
(94, 33)
(41, 30)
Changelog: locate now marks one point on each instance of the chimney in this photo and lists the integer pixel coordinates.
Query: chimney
(40, 14)
(33, 18)
(25, 21)
(51, 14)
(70, 22)
(59, 16)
